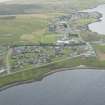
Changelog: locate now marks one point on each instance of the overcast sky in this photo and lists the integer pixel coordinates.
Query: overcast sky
(4, 0)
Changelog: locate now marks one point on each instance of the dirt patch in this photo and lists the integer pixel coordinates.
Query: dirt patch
(43, 16)
(27, 37)
(101, 56)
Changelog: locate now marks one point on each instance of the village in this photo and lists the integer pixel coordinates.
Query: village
(69, 45)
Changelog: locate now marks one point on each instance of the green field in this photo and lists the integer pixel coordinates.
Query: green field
(12, 30)
(40, 72)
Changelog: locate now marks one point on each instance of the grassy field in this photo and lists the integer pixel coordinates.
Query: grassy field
(40, 72)
(28, 28)
(84, 21)
(12, 30)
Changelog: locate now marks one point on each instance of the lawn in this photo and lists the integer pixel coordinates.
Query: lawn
(23, 27)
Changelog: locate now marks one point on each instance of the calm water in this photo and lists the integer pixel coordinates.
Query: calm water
(79, 87)
(98, 27)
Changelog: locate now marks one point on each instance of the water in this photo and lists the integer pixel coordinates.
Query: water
(78, 87)
(98, 27)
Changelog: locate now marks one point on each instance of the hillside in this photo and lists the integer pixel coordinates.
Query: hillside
(75, 4)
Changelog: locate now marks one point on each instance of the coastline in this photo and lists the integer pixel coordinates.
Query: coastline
(9, 85)
(98, 19)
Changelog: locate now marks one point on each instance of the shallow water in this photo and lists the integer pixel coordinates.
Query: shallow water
(78, 87)
(98, 27)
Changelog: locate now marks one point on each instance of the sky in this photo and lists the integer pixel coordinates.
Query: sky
(4, 0)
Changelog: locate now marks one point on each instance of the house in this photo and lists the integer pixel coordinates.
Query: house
(61, 42)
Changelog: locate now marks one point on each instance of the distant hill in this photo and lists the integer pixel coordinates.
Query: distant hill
(14, 7)
(69, 3)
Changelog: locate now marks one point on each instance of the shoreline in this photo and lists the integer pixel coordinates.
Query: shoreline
(98, 18)
(10, 85)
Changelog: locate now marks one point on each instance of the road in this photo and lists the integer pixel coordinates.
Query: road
(8, 66)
